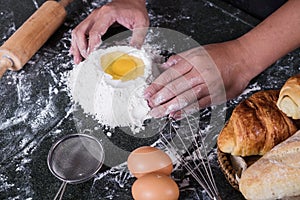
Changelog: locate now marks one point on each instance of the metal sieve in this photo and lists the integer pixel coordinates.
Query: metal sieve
(75, 159)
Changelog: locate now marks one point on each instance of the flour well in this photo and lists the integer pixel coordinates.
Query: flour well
(114, 103)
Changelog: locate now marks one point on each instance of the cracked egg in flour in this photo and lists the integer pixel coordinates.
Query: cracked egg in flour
(110, 86)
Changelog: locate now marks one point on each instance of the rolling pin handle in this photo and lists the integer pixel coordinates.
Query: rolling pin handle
(65, 3)
(5, 63)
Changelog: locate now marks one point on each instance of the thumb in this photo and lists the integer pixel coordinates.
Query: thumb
(138, 37)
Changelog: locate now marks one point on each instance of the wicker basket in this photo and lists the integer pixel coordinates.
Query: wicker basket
(229, 170)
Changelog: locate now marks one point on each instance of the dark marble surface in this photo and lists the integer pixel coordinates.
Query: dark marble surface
(36, 110)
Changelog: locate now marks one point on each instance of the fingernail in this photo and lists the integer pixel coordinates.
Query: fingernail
(176, 115)
(147, 95)
(88, 51)
(168, 64)
(155, 113)
(77, 60)
(171, 62)
(84, 53)
(163, 67)
(150, 104)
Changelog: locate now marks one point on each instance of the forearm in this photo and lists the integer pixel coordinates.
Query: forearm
(142, 2)
(273, 38)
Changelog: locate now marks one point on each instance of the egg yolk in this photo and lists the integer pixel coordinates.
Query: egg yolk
(122, 66)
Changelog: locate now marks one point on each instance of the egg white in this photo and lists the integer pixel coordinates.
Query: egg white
(131, 51)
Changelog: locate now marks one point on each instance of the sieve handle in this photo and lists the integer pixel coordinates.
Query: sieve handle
(61, 191)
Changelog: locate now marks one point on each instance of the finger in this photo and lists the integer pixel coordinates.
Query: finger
(166, 77)
(173, 60)
(138, 37)
(99, 28)
(180, 102)
(176, 87)
(154, 87)
(76, 54)
(79, 39)
(94, 40)
(192, 108)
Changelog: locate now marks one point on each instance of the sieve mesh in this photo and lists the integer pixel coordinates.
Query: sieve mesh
(75, 158)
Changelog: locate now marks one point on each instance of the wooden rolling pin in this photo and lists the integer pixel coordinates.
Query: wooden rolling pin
(31, 36)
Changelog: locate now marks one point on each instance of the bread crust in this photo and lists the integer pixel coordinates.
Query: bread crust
(275, 175)
(289, 97)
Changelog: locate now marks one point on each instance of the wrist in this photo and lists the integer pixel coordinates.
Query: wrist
(250, 66)
(235, 57)
(233, 64)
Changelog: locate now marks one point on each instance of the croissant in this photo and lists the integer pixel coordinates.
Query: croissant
(289, 97)
(255, 126)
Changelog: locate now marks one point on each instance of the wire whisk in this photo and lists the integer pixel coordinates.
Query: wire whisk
(187, 145)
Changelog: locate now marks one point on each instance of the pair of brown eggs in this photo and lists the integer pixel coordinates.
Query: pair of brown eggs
(152, 168)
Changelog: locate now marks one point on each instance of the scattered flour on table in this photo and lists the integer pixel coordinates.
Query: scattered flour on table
(114, 103)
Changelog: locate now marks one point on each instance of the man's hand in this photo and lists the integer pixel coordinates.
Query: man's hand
(198, 78)
(86, 37)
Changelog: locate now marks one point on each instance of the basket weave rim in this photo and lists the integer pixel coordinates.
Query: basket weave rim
(227, 169)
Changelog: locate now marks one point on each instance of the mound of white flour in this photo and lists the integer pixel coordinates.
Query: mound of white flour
(113, 103)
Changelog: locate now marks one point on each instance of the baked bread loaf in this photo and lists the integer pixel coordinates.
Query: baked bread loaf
(276, 175)
(255, 126)
(289, 97)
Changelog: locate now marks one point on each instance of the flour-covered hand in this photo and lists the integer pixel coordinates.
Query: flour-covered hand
(197, 78)
(86, 37)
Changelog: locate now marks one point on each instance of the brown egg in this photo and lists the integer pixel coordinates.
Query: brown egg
(155, 186)
(148, 159)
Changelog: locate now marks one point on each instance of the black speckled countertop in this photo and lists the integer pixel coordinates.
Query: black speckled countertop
(36, 110)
